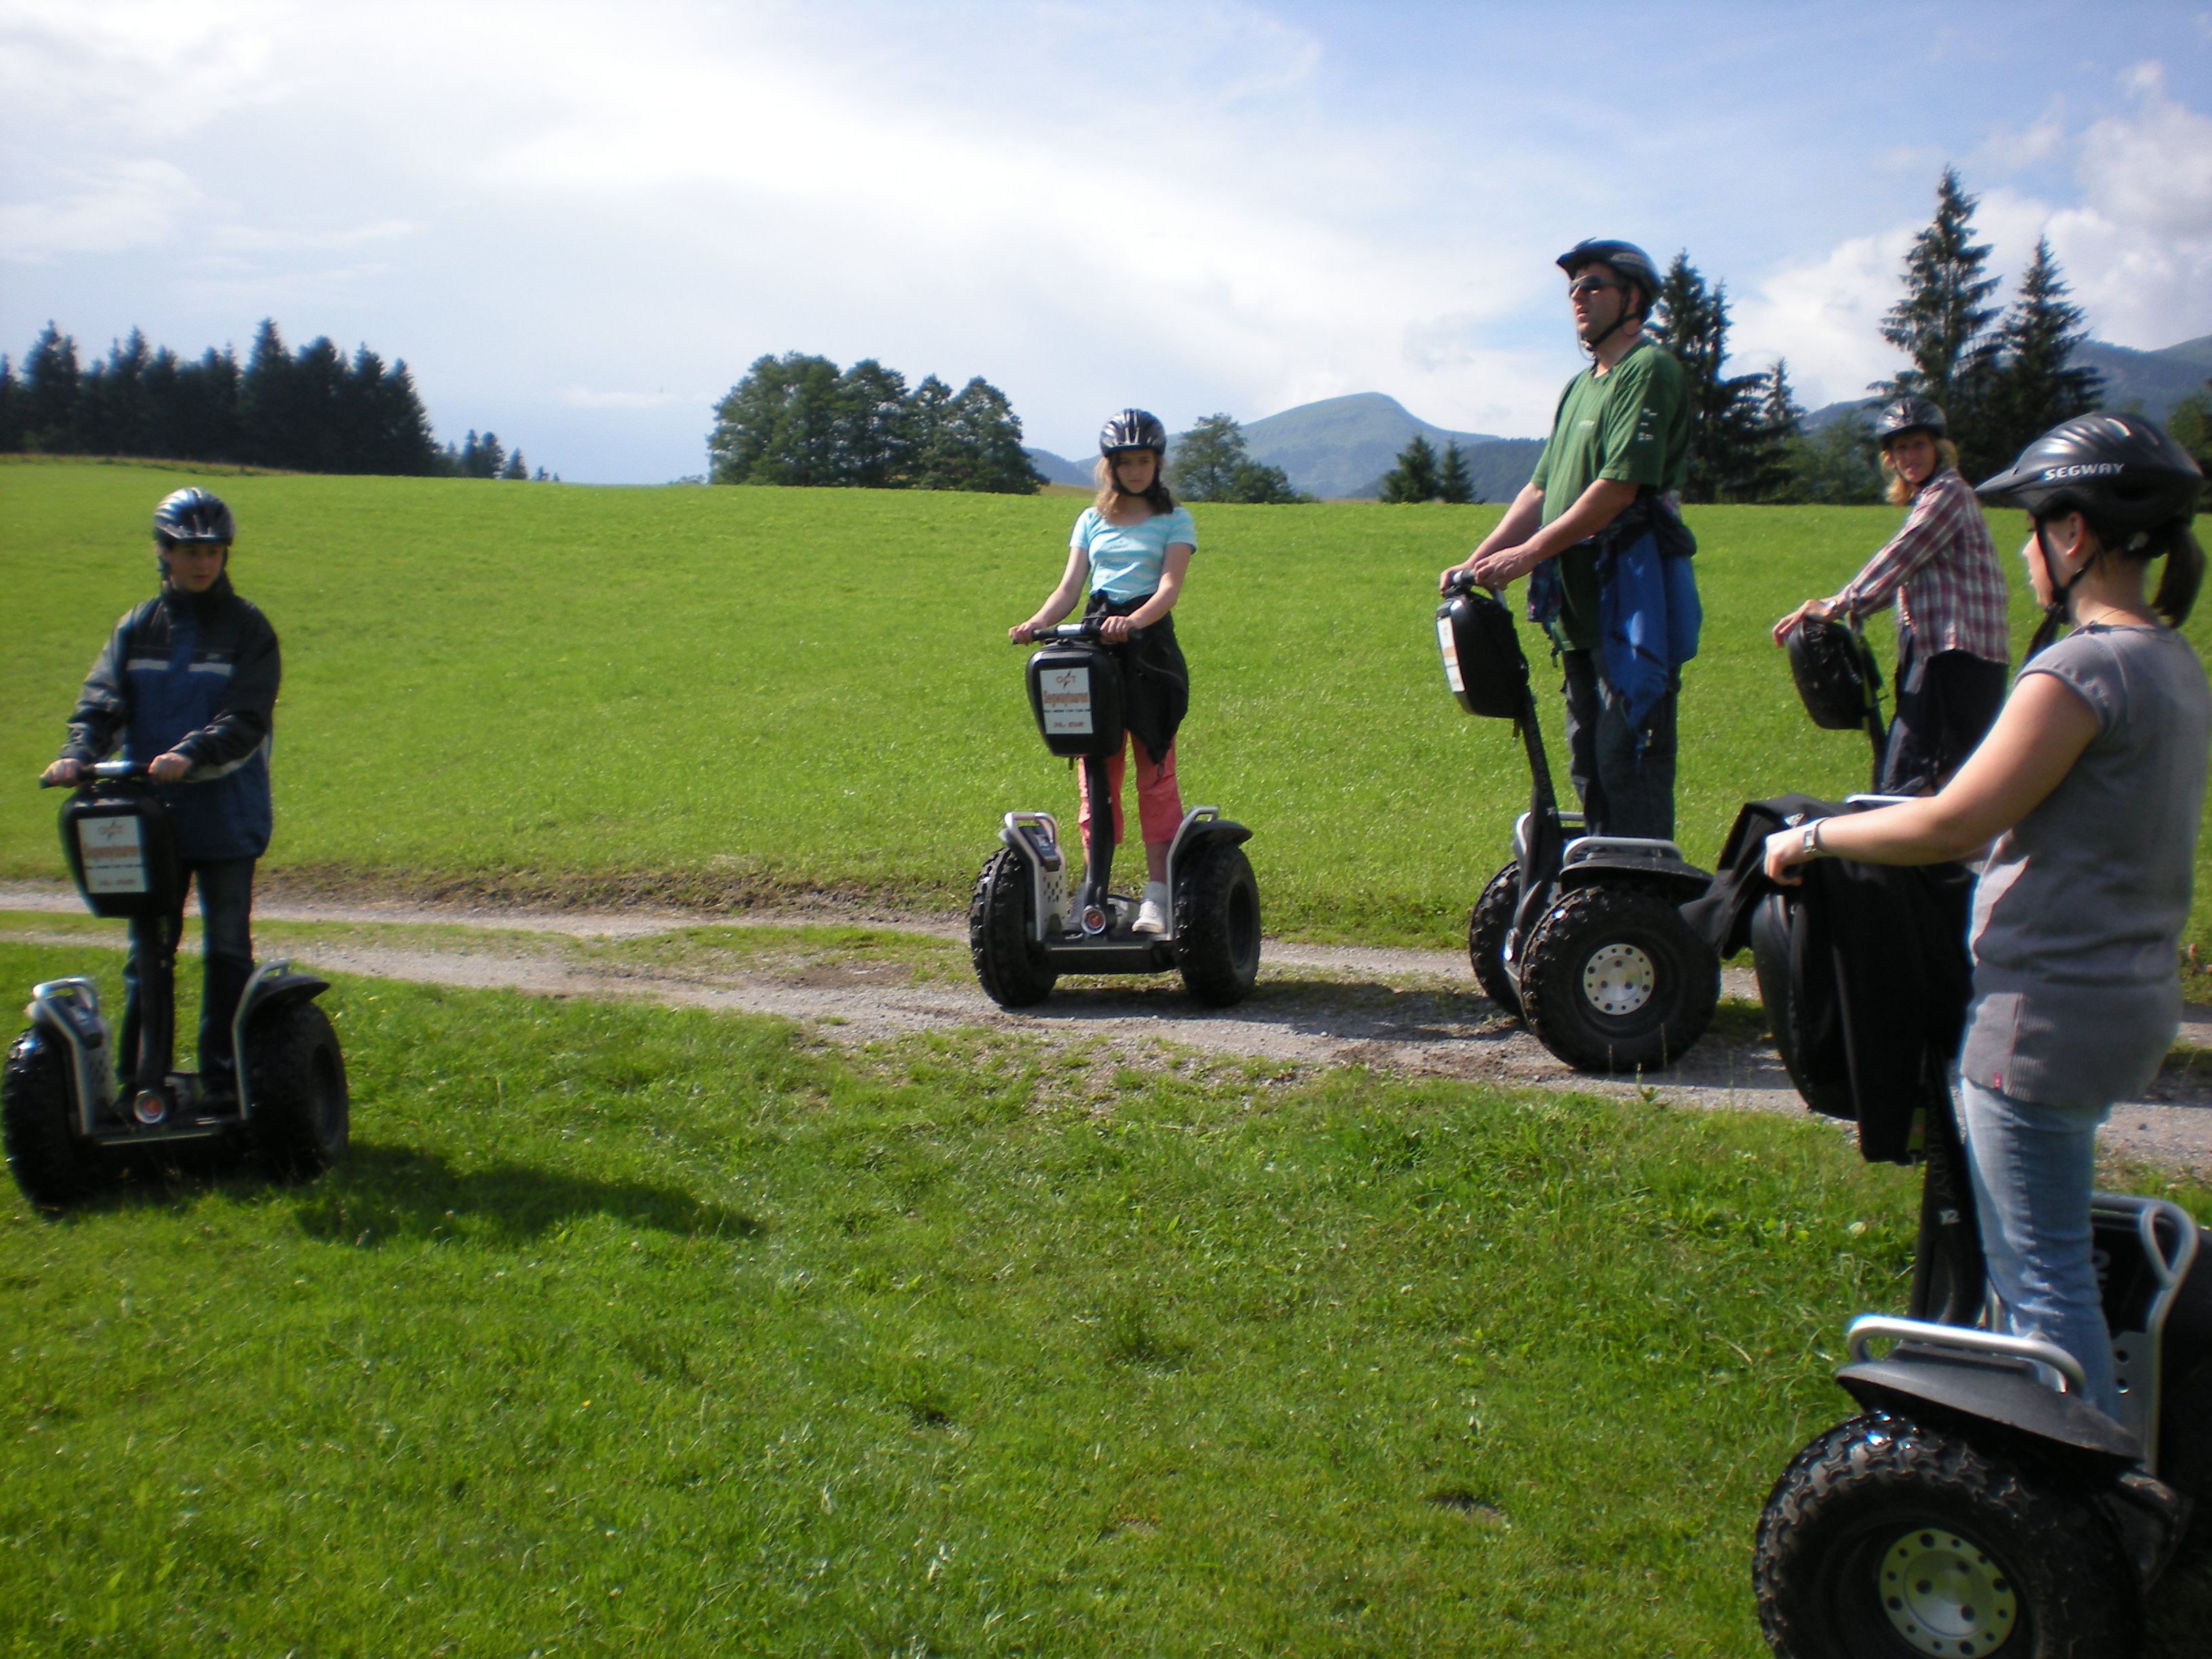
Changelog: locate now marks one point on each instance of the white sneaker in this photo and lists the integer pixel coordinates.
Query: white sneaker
(1152, 913)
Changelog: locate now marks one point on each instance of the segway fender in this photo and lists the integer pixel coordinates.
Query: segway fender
(1990, 1389)
(68, 1011)
(1034, 838)
(274, 985)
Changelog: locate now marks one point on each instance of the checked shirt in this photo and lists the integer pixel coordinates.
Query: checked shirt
(1943, 572)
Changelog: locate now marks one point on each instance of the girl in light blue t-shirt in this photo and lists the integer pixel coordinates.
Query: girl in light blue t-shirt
(1134, 544)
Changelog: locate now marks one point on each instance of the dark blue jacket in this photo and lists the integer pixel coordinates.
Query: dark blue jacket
(196, 674)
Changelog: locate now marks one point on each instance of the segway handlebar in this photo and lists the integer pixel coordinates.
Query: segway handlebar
(108, 770)
(1086, 629)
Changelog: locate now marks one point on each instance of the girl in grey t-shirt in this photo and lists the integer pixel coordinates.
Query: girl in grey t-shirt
(2090, 784)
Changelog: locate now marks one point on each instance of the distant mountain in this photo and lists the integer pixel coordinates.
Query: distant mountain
(1341, 446)
(2152, 381)
(1058, 469)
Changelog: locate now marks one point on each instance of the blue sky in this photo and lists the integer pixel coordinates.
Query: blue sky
(579, 221)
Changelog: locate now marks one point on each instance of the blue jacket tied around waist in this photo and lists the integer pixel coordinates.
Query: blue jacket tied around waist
(1648, 609)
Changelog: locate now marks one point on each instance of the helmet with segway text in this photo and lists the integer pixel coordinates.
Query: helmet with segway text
(2123, 474)
(193, 515)
(1133, 428)
(1908, 415)
(1624, 259)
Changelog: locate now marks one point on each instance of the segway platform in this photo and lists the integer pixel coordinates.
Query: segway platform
(1028, 925)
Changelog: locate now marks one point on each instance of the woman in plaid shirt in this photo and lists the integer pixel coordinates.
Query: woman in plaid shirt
(1942, 571)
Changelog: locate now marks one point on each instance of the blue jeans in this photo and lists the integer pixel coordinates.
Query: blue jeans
(1622, 793)
(226, 893)
(2031, 1167)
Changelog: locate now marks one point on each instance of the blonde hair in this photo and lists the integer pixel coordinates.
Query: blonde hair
(1899, 492)
(1111, 493)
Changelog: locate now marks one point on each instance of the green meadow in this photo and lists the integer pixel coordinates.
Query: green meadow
(721, 694)
(628, 1330)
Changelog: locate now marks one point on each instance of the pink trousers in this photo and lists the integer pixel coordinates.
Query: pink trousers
(1160, 803)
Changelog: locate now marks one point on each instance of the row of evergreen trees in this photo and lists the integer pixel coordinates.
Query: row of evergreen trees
(311, 410)
(797, 419)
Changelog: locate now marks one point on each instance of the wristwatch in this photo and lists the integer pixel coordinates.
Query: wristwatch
(1811, 843)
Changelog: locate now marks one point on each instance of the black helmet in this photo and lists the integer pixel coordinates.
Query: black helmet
(1837, 679)
(193, 515)
(1624, 259)
(1909, 415)
(1133, 428)
(2120, 472)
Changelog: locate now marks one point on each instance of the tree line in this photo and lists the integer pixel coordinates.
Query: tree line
(311, 410)
(798, 419)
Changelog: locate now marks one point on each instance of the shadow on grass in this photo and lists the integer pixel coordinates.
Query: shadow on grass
(387, 1193)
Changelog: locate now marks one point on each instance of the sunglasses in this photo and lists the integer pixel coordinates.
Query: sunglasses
(1592, 285)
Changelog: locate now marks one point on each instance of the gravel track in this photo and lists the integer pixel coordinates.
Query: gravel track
(1413, 1013)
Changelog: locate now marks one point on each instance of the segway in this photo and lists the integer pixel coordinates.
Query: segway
(1839, 681)
(1582, 938)
(1976, 1506)
(71, 1108)
(1025, 927)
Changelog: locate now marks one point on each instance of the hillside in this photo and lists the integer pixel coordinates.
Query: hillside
(2152, 381)
(1341, 446)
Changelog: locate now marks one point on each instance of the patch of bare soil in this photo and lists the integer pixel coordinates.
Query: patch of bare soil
(1409, 1013)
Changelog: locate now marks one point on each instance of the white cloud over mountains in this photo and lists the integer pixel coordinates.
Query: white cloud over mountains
(1221, 205)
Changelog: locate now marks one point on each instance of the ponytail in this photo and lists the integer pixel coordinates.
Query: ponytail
(2185, 574)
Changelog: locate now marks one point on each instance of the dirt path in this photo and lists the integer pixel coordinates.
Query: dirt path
(1408, 1012)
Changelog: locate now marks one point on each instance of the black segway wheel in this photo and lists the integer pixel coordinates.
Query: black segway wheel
(1489, 926)
(1010, 965)
(1883, 1538)
(1217, 926)
(38, 1123)
(301, 1110)
(1614, 980)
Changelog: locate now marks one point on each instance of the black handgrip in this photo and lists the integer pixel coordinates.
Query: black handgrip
(98, 771)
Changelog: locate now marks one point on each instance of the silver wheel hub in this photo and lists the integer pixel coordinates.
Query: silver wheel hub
(1617, 979)
(1945, 1595)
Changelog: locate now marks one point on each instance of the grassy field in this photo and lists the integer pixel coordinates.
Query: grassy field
(633, 1331)
(708, 693)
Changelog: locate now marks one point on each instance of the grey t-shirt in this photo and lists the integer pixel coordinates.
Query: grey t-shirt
(2078, 913)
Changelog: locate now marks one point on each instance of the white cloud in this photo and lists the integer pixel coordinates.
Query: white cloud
(122, 205)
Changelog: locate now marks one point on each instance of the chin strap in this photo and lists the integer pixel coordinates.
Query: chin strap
(2054, 614)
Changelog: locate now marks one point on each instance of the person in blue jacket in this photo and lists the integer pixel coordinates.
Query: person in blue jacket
(187, 685)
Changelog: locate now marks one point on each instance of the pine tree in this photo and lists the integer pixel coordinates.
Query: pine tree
(50, 393)
(1727, 449)
(11, 409)
(1942, 323)
(1415, 478)
(1454, 483)
(2033, 386)
(1777, 427)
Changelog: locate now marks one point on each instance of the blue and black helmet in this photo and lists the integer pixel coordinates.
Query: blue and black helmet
(1133, 428)
(193, 515)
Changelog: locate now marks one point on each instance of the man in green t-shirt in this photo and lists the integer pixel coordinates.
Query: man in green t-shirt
(1621, 436)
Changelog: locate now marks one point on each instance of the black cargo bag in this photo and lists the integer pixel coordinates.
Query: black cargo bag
(1483, 661)
(122, 851)
(1837, 679)
(1075, 692)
